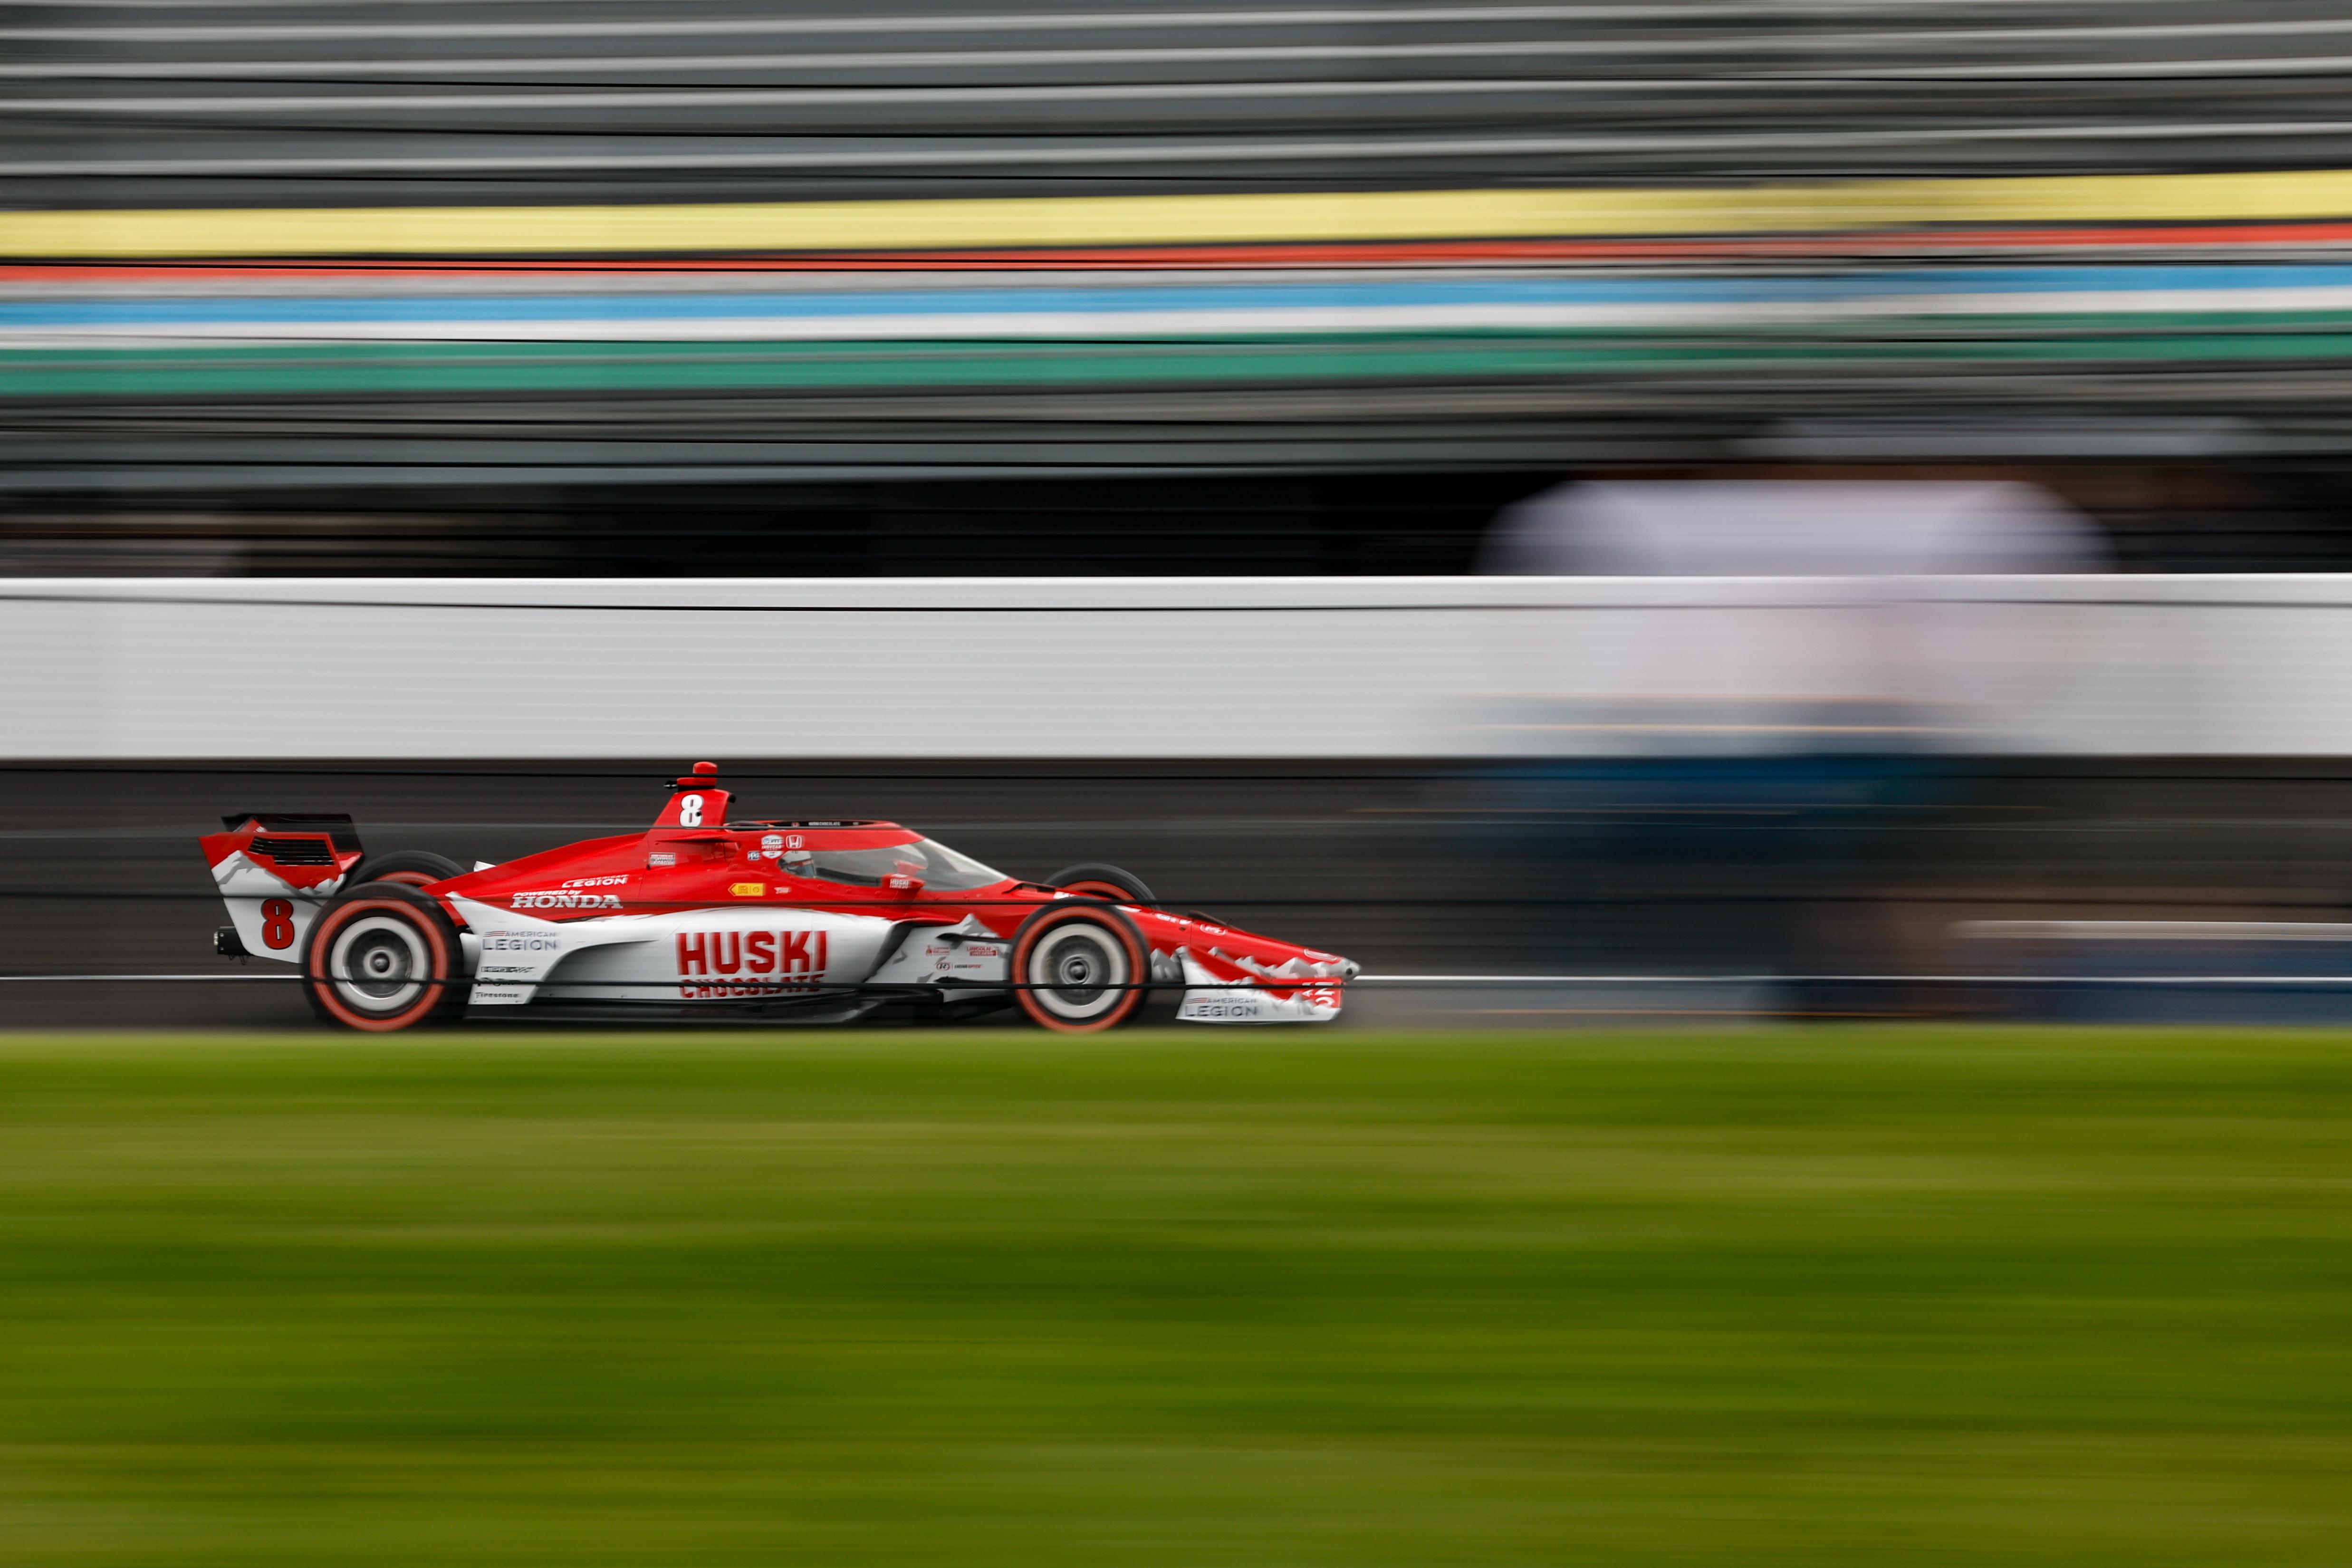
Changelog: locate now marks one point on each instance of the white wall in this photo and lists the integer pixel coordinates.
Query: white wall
(1255, 666)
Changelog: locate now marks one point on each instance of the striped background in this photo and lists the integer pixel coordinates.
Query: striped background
(1683, 219)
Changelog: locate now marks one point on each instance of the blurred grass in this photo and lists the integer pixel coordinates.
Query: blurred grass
(1281, 1298)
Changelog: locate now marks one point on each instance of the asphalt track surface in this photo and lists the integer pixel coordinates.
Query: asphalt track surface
(1408, 868)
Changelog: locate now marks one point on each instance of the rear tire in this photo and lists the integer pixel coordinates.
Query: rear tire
(384, 957)
(1094, 880)
(416, 868)
(1081, 967)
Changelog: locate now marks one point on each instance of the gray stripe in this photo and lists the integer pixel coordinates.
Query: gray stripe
(1208, 152)
(1005, 22)
(1899, 42)
(876, 158)
(2061, 70)
(860, 97)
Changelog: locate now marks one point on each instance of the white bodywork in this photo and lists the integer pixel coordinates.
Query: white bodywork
(712, 955)
(1208, 1000)
(968, 953)
(246, 886)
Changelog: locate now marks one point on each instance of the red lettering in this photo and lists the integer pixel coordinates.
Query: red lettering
(693, 957)
(794, 952)
(727, 951)
(820, 953)
(759, 952)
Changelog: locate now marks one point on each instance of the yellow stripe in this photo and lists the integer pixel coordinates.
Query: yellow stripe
(1169, 220)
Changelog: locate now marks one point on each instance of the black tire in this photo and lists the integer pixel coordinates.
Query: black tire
(416, 868)
(1096, 880)
(1081, 967)
(384, 957)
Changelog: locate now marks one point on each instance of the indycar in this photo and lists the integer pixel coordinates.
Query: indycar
(700, 916)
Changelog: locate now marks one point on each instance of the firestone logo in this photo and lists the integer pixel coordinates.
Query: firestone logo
(566, 901)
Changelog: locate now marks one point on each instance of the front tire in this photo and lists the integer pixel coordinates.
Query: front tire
(1081, 968)
(384, 957)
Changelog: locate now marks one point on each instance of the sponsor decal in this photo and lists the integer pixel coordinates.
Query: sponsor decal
(598, 881)
(734, 993)
(661, 857)
(553, 899)
(785, 961)
(973, 958)
(772, 841)
(1225, 1012)
(748, 890)
(1235, 988)
(521, 942)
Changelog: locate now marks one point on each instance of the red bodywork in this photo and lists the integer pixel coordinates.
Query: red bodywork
(694, 859)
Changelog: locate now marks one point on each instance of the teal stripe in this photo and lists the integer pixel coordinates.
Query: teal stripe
(568, 366)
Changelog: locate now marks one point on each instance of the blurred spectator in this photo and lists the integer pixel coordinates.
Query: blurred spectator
(1759, 769)
(1791, 529)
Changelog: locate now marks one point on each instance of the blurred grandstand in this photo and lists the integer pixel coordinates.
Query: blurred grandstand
(546, 286)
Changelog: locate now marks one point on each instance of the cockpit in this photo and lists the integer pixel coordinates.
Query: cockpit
(865, 854)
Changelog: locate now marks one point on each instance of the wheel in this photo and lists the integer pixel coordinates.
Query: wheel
(1100, 881)
(415, 866)
(1081, 967)
(383, 957)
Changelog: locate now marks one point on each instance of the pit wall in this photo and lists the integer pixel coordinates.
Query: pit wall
(1131, 667)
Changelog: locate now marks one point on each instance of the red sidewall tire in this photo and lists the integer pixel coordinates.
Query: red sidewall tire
(439, 988)
(1118, 928)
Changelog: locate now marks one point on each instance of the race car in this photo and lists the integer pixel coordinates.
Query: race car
(701, 916)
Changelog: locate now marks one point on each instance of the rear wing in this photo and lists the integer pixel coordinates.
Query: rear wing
(275, 870)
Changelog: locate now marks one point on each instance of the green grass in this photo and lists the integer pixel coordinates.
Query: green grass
(1860, 1297)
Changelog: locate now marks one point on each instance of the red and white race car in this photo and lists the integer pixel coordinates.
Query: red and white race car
(806, 922)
